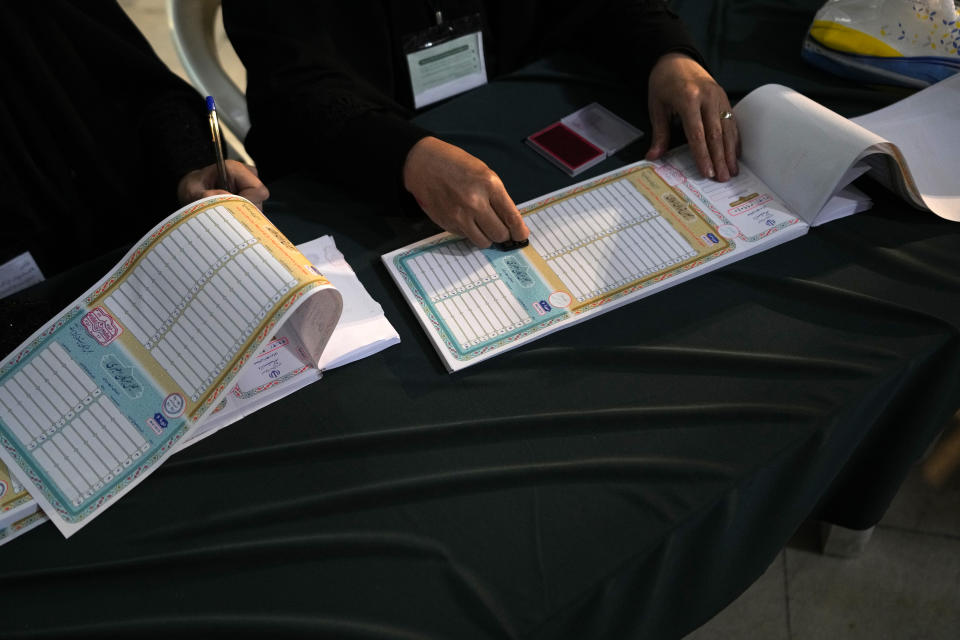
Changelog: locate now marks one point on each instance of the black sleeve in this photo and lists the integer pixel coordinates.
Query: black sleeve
(311, 109)
(89, 117)
(308, 109)
(628, 35)
(168, 114)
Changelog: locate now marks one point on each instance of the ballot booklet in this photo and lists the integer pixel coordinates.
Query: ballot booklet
(103, 393)
(19, 512)
(276, 371)
(15, 502)
(624, 235)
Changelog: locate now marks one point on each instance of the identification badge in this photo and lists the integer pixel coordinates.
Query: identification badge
(445, 60)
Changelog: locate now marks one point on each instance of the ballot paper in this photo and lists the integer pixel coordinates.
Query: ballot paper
(604, 242)
(15, 501)
(362, 329)
(925, 128)
(276, 371)
(19, 512)
(98, 397)
(23, 525)
(593, 247)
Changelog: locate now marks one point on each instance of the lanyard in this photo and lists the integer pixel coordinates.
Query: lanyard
(437, 13)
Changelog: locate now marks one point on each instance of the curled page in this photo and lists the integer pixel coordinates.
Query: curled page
(800, 149)
(276, 371)
(96, 399)
(925, 131)
(807, 153)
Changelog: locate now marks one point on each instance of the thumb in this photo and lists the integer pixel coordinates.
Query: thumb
(507, 211)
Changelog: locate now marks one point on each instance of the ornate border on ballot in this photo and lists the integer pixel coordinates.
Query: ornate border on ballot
(146, 463)
(254, 342)
(149, 240)
(651, 281)
(110, 281)
(439, 325)
(22, 500)
(244, 395)
(719, 214)
(22, 526)
(55, 326)
(443, 331)
(106, 497)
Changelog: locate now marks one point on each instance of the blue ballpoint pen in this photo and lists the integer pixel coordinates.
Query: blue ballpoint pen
(217, 143)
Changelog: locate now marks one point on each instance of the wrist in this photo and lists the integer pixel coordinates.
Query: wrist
(411, 165)
(672, 58)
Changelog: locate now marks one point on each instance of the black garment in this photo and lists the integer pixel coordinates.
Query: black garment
(328, 88)
(95, 131)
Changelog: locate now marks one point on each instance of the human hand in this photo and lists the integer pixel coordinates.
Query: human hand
(243, 180)
(680, 86)
(461, 193)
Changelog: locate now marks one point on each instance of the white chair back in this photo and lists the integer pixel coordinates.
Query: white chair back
(192, 26)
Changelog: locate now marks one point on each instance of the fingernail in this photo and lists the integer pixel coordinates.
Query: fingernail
(710, 172)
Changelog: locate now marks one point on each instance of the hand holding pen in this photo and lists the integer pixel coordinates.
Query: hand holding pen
(217, 139)
(224, 176)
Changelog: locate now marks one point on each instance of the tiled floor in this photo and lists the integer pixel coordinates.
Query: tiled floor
(906, 585)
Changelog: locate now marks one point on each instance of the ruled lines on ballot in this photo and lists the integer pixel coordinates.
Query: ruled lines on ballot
(198, 295)
(592, 246)
(77, 435)
(589, 244)
(468, 293)
(606, 238)
(100, 397)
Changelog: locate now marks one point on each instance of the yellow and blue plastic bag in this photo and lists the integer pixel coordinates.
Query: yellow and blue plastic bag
(906, 42)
